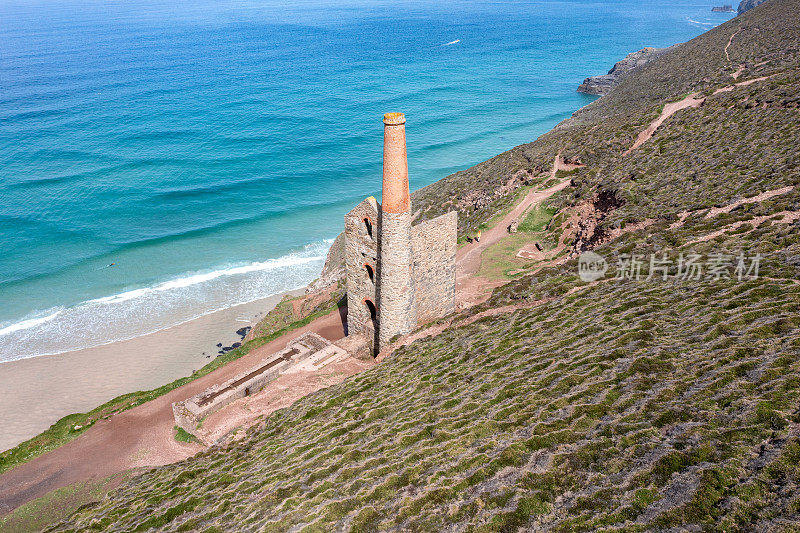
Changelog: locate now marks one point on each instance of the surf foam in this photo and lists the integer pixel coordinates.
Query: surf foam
(145, 310)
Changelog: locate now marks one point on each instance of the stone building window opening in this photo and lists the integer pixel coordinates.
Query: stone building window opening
(370, 272)
(373, 311)
(368, 226)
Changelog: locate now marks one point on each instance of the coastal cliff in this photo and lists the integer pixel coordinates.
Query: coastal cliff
(605, 83)
(746, 5)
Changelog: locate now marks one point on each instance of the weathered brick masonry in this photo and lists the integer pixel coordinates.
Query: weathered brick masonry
(398, 276)
(397, 311)
(434, 248)
(361, 264)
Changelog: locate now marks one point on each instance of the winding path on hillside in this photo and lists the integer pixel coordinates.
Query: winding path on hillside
(471, 289)
(468, 258)
(783, 217)
(671, 108)
(745, 83)
(730, 42)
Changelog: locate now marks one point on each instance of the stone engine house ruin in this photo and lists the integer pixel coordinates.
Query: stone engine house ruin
(399, 275)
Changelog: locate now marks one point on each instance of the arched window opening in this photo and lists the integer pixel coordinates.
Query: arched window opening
(373, 311)
(370, 272)
(368, 226)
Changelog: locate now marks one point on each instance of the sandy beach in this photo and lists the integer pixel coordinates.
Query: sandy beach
(36, 392)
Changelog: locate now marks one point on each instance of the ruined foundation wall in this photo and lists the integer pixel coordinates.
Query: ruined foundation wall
(434, 248)
(397, 307)
(190, 412)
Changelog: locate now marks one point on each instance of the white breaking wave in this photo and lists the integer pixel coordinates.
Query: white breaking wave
(146, 310)
(30, 322)
(702, 23)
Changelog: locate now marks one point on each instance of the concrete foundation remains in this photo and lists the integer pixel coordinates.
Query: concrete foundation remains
(398, 275)
(309, 350)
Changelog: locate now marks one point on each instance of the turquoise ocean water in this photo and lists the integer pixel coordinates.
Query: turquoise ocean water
(210, 150)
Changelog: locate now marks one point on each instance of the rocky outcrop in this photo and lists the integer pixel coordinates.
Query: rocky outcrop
(603, 84)
(747, 5)
(333, 271)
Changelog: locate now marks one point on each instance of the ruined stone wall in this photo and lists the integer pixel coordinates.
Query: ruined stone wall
(411, 277)
(434, 249)
(397, 306)
(361, 251)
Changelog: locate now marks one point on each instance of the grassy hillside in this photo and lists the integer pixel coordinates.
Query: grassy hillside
(559, 404)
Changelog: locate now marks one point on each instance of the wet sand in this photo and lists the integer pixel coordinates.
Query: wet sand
(36, 392)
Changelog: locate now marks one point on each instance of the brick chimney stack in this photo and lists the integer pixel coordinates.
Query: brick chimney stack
(396, 196)
(396, 308)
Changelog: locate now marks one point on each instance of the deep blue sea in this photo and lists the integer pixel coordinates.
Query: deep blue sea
(209, 149)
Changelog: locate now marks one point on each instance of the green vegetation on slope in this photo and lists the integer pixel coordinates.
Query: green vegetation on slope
(658, 410)
(181, 435)
(500, 262)
(537, 219)
(39, 513)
